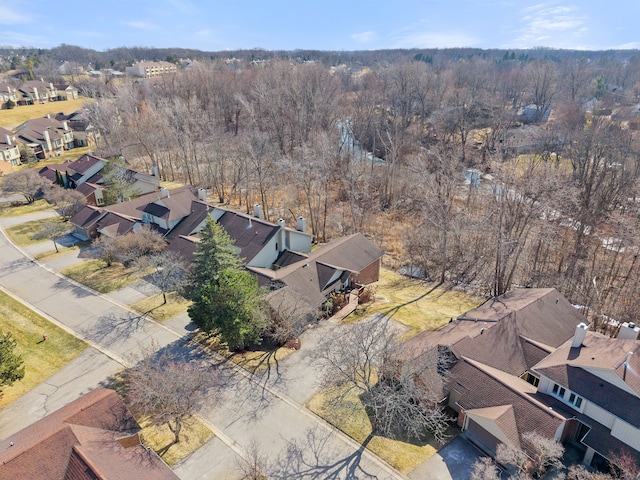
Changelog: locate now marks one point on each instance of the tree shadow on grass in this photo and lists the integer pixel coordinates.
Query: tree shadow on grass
(393, 310)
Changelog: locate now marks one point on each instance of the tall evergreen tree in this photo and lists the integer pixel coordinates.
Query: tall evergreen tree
(11, 364)
(226, 298)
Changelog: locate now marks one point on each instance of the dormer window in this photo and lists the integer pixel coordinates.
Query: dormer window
(575, 400)
(558, 390)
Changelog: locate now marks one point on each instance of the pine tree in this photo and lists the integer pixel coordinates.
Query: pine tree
(11, 364)
(226, 298)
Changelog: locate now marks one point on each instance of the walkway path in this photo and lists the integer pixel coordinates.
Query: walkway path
(286, 431)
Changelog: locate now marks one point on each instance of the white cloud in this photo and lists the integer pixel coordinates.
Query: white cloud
(435, 40)
(626, 46)
(140, 25)
(547, 24)
(21, 40)
(11, 17)
(365, 37)
(204, 33)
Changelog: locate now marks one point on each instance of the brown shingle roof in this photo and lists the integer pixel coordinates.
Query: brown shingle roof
(179, 201)
(504, 418)
(543, 314)
(483, 387)
(88, 188)
(312, 276)
(87, 216)
(512, 332)
(85, 162)
(80, 441)
(113, 224)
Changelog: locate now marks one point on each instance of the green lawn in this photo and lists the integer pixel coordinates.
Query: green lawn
(8, 209)
(95, 274)
(25, 234)
(400, 455)
(42, 359)
(414, 303)
(155, 307)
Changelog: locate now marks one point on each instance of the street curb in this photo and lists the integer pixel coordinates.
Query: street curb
(189, 337)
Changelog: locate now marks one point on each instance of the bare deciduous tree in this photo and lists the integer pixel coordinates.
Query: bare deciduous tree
(169, 389)
(579, 472)
(485, 469)
(68, 202)
(53, 230)
(290, 314)
(254, 464)
(26, 182)
(366, 366)
(129, 247)
(542, 453)
(168, 270)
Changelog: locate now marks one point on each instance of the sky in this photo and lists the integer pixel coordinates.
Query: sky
(340, 25)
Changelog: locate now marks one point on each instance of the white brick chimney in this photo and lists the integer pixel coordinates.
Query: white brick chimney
(578, 336)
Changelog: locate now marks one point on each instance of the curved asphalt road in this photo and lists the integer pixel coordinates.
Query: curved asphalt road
(297, 443)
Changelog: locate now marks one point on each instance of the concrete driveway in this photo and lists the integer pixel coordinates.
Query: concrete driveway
(245, 408)
(297, 375)
(453, 461)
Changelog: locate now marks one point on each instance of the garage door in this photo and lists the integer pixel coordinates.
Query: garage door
(488, 441)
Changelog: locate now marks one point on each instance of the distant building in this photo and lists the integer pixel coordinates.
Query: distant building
(7, 93)
(9, 151)
(151, 69)
(45, 137)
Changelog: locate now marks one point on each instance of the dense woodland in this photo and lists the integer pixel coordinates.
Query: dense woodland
(430, 153)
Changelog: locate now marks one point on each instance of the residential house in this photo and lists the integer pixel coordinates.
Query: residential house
(594, 382)
(84, 168)
(534, 114)
(86, 175)
(279, 256)
(335, 266)
(66, 92)
(85, 222)
(37, 91)
(151, 69)
(44, 138)
(70, 68)
(92, 437)
(9, 151)
(84, 134)
(7, 93)
(161, 210)
(524, 362)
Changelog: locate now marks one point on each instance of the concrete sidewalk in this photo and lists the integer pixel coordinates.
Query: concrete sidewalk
(6, 222)
(244, 410)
